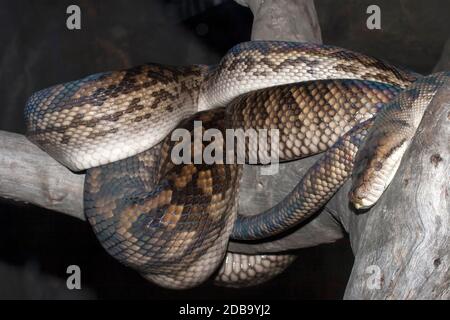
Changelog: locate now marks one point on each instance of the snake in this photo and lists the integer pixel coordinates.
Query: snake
(172, 222)
(395, 126)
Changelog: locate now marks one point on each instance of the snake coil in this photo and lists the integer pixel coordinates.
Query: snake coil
(172, 223)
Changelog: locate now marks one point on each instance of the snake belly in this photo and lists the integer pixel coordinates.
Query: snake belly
(240, 270)
(172, 222)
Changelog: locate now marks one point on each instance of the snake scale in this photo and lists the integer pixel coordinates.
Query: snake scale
(172, 223)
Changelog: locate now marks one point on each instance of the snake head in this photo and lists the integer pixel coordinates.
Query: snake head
(362, 194)
(375, 166)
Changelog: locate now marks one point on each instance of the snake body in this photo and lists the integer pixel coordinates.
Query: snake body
(312, 117)
(113, 115)
(242, 270)
(172, 222)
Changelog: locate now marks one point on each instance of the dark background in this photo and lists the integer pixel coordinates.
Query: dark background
(37, 50)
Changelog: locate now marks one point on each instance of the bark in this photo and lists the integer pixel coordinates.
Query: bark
(401, 245)
(401, 251)
(290, 20)
(444, 61)
(29, 174)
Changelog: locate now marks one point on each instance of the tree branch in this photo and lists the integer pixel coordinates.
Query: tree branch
(29, 174)
(408, 245)
(290, 20)
(444, 62)
(406, 234)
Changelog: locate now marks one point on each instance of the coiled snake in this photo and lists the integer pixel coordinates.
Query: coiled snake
(172, 222)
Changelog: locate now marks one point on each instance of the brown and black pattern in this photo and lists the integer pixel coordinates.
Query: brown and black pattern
(171, 223)
(310, 116)
(346, 60)
(92, 112)
(313, 191)
(113, 115)
(149, 202)
(261, 64)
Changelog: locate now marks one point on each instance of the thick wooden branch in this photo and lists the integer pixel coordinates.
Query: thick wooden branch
(407, 243)
(444, 61)
(290, 20)
(407, 233)
(29, 174)
(401, 245)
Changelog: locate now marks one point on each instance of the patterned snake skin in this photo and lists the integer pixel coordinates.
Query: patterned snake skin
(111, 116)
(172, 222)
(393, 131)
(243, 270)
